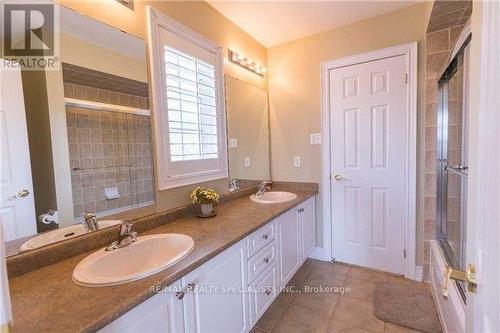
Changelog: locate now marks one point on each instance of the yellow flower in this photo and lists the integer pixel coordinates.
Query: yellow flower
(203, 195)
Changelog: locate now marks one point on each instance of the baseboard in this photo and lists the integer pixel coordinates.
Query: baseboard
(317, 253)
(419, 272)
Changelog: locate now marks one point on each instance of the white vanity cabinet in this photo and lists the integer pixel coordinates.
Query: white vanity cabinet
(161, 313)
(307, 220)
(230, 292)
(288, 226)
(215, 300)
(296, 234)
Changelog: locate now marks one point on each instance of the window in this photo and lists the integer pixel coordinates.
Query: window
(188, 106)
(192, 116)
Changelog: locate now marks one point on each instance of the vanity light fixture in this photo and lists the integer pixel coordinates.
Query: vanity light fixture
(240, 60)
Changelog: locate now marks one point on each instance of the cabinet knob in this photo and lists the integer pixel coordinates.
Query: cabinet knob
(180, 294)
(23, 193)
(265, 236)
(266, 260)
(268, 292)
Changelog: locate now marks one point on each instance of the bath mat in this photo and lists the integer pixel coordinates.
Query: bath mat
(409, 305)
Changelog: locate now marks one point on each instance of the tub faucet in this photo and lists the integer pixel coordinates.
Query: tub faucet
(90, 222)
(263, 187)
(126, 237)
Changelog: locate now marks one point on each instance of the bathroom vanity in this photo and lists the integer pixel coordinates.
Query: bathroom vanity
(252, 247)
(231, 291)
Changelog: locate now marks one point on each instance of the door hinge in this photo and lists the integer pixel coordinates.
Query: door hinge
(404, 253)
(406, 77)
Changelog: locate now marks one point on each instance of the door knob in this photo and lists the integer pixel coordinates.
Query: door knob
(23, 193)
(339, 178)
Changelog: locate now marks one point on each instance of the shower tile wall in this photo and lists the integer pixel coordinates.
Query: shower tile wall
(93, 94)
(446, 23)
(102, 144)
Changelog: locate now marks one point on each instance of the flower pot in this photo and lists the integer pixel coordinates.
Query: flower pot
(206, 209)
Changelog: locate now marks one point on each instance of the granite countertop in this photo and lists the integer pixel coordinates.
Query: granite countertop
(47, 299)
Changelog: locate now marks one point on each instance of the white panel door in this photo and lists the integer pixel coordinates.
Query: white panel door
(215, 300)
(17, 207)
(289, 244)
(368, 126)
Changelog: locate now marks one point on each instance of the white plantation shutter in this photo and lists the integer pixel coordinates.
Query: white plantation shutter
(192, 115)
(188, 104)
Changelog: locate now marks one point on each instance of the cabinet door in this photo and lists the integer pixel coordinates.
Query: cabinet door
(162, 312)
(216, 300)
(289, 244)
(308, 227)
(262, 292)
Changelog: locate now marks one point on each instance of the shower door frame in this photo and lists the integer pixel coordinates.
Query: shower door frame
(442, 168)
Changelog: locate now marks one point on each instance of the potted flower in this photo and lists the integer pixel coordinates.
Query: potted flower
(205, 197)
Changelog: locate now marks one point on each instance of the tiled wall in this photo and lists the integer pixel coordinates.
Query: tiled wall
(93, 94)
(87, 77)
(103, 144)
(447, 21)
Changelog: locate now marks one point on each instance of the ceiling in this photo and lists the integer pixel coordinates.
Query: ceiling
(276, 22)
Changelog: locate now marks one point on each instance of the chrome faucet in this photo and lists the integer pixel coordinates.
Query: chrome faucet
(127, 237)
(90, 222)
(263, 187)
(234, 185)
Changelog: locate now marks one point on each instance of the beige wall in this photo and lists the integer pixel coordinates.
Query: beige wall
(84, 54)
(198, 16)
(295, 96)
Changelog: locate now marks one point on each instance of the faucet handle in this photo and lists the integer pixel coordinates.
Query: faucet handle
(125, 228)
(89, 216)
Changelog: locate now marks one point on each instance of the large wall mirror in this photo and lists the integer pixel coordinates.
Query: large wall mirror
(90, 136)
(89, 133)
(248, 133)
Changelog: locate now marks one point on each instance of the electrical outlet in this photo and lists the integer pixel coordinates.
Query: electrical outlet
(247, 161)
(315, 138)
(233, 143)
(296, 161)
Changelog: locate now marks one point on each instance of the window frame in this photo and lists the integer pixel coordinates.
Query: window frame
(159, 109)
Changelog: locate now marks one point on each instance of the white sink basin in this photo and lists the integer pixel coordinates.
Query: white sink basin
(147, 256)
(273, 197)
(62, 234)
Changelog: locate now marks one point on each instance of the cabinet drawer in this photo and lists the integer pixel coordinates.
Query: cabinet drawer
(262, 292)
(260, 238)
(262, 260)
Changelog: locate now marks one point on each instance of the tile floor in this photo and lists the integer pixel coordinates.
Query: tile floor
(329, 312)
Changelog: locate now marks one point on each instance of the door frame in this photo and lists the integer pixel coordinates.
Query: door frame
(409, 50)
(483, 211)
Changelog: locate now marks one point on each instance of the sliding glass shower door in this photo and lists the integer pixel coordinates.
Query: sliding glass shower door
(452, 166)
